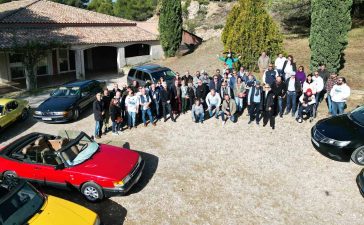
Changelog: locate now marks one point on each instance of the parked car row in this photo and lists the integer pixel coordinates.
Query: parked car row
(96, 170)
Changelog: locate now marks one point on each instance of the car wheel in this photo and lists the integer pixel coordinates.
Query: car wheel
(76, 114)
(10, 178)
(92, 192)
(24, 114)
(358, 156)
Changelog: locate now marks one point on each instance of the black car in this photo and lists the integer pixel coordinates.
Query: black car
(360, 182)
(341, 137)
(68, 101)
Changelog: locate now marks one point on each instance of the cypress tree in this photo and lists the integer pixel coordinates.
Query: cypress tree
(170, 26)
(249, 30)
(330, 23)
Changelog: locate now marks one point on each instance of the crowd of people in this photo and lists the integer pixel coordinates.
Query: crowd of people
(282, 89)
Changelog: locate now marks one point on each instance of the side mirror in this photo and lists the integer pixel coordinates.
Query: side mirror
(59, 167)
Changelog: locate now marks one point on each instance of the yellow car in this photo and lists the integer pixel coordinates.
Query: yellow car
(11, 110)
(23, 204)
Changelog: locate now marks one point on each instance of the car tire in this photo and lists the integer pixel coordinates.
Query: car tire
(358, 156)
(10, 178)
(24, 114)
(76, 114)
(92, 192)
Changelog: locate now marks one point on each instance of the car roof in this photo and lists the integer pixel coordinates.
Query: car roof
(78, 83)
(150, 68)
(3, 101)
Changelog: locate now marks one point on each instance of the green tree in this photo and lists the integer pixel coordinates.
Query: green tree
(170, 26)
(249, 30)
(135, 9)
(101, 6)
(330, 23)
(75, 3)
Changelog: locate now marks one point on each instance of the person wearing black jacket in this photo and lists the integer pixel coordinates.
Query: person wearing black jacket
(176, 100)
(255, 98)
(191, 94)
(98, 110)
(279, 89)
(187, 77)
(293, 90)
(201, 92)
(165, 98)
(114, 90)
(267, 106)
(115, 115)
(106, 99)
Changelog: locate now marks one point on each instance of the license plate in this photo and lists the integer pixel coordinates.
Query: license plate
(47, 118)
(315, 142)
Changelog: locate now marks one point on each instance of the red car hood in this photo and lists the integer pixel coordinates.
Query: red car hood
(109, 162)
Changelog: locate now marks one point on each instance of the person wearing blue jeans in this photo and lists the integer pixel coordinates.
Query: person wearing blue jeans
(197, 111)
(339, 95)
(132, 106)
(254, 101)
(279, 90)
(145, 101)
(98, 110)
(213, 101)
(228, 109)
(293, 89)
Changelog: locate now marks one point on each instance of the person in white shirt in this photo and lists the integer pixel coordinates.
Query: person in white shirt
(145, 101)
(309, 84)
(319, 82)
(339, 95)
(132, 107)
(307, 102)
(213, 101)
(279, 63)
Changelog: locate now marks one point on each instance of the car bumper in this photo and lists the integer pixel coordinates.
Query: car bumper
(330, 151)
(52, 119)
(360, 182)
(109, 192)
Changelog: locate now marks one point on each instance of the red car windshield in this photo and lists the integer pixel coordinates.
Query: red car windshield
(79, 150)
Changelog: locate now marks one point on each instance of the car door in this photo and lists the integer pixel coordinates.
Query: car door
(85, 97)
(10, 112)
(47, 174)
(139, 77)
(131, 76)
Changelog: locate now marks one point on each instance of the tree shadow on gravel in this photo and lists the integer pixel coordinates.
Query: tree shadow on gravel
(151, 164)
(110, 212)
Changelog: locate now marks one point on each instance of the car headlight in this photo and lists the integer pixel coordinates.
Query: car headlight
(335, 142)
(97, 221)
(60, 113)
(122, 182)
(37, 112)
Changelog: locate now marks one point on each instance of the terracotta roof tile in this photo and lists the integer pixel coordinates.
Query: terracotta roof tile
(43, 11)
(74, 35)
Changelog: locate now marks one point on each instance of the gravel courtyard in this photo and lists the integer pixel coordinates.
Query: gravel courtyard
(213, 174)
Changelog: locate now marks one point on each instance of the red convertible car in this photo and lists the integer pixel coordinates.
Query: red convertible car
(97, 170)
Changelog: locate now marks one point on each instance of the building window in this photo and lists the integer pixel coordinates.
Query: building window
(16, 64)
(137, 50)
(63, 60)
(42, 67)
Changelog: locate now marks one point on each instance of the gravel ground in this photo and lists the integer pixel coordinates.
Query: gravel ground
(213, 174)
